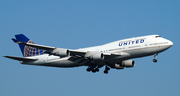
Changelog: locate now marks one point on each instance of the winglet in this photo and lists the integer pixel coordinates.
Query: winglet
(16, 41)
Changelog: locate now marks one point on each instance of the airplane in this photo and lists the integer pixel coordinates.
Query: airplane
(114, 55)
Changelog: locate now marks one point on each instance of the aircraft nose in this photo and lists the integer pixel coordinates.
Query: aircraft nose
(170, 43)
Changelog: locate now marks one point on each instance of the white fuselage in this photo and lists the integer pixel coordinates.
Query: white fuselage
(122, 49)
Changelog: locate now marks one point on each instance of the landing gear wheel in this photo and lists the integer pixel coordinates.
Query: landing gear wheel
(105, 71)
(88, 69)
(155, 60)
(97, 70)
(93, 71)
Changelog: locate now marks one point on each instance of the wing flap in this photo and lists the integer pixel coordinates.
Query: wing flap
(21, 58)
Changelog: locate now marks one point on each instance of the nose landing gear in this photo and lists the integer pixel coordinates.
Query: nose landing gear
(155, 60)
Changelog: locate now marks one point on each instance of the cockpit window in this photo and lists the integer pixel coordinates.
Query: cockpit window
(158, 36)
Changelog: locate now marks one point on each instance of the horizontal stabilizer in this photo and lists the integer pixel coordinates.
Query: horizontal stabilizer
(21, 58)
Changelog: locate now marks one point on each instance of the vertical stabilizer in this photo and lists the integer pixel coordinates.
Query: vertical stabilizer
(28, 51)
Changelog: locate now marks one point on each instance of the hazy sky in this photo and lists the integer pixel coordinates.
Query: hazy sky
(84, 23)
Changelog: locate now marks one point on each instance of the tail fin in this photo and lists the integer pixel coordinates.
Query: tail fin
(28, 51)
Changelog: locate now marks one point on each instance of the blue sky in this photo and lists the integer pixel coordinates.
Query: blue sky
(84, 23)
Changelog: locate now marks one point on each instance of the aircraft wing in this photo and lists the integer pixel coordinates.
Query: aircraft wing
(72, 52)
(21, 58)
(50, 49)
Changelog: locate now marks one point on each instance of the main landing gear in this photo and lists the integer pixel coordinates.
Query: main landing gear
(93, 68)
(155, 60)
(106, 69)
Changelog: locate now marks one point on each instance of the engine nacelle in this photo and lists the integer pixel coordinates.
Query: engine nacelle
(118, 66)
(63, 52)
(128, 63)
(123, 64)
(97, 56)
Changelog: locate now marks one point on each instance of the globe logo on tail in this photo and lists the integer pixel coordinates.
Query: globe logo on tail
(31, 51)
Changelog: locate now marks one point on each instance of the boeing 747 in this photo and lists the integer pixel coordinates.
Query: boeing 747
(114, 55)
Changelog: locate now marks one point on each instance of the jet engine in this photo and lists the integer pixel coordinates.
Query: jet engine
(118, 66)
(128, 63)
(97, 56)
(63, 52)
(123, 64)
